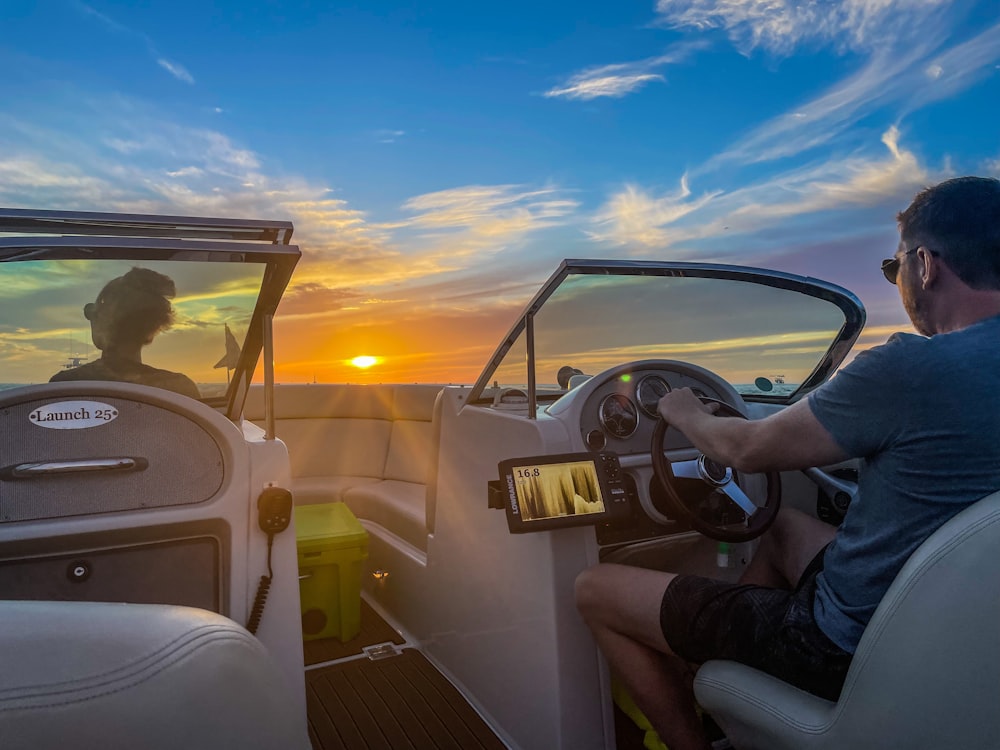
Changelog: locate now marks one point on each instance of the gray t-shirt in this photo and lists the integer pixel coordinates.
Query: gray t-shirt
(924, 415)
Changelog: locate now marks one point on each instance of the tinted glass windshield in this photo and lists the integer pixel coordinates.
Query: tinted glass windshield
(89, 320)
(763, 339)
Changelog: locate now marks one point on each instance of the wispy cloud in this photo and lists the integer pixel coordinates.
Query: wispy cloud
(175, 69)
(608, 80)
(619, 79)
(117, 154)
(386, 135)
(909, 77)
(642, 222)
(448, 227)
(886, 77)
(632, 217)
(956, 68)
(781, 26)
(839, 183)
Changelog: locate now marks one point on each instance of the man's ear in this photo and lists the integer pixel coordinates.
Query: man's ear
(930, 267)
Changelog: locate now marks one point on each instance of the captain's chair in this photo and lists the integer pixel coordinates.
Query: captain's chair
(926, 673)
(95, 675)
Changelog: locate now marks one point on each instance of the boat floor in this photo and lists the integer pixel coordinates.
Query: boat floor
(402, 701)
(399, 700)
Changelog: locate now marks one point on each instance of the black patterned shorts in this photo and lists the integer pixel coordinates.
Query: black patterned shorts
(772, 630)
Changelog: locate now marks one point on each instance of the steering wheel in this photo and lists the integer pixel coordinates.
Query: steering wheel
(716, 477)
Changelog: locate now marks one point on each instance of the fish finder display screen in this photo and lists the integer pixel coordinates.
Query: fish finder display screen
(556, 491)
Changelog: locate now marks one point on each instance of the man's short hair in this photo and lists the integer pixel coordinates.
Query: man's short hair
(960, 220)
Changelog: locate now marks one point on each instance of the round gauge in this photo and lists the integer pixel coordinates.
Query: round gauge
(618, 415)
(649, 392)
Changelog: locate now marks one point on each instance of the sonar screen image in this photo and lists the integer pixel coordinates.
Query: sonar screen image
(554, 490)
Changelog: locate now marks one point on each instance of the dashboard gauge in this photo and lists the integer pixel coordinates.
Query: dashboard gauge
(618, 415)
(649, 392)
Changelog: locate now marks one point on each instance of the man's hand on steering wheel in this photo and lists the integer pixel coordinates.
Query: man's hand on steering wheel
(677, 407)
(683, 409)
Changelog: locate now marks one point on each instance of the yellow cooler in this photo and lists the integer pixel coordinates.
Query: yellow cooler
(332, 546)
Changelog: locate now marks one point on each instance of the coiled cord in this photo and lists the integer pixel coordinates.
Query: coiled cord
(263, 587)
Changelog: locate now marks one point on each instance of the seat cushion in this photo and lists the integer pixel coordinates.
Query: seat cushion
(326, 446)
(92, 675)
(394, 505)
(410, 451)
(311, 490)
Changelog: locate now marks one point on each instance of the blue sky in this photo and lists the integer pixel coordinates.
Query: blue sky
(439, 159)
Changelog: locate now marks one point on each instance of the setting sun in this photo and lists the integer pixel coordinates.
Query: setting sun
(364, 362)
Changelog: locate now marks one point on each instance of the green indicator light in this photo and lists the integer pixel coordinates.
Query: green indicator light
(626, 378)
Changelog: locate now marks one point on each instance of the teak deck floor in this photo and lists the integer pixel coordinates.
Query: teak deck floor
(398, 702)
(373, 630)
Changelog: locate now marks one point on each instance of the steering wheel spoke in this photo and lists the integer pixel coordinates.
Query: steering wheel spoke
(685, 469)
(735, 493)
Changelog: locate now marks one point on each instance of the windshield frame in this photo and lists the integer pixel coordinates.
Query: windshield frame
(81, 235)
(849, 304)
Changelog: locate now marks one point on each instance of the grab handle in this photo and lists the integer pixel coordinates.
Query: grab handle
(51, 468)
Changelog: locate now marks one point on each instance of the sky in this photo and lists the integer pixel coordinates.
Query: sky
(439, 159)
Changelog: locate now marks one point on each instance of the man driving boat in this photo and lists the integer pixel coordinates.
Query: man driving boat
(927, 446)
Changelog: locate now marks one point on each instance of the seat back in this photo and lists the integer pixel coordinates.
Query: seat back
(926, 673)
(927, 670)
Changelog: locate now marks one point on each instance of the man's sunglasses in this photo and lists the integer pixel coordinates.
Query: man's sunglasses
(890, 266)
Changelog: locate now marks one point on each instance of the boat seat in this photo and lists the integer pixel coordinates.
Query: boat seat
(925, 676)
(94, 675)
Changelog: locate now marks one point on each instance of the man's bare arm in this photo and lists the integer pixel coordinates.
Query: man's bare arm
(790, 439)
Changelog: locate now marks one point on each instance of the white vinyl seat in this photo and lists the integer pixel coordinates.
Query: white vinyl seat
(925, 676)
(95, 676)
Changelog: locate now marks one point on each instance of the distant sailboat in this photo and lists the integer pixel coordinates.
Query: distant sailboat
(74, 362)
(73, 359)
(232, 356)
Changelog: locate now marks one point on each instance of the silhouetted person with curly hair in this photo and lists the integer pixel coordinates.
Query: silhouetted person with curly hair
(128, 313)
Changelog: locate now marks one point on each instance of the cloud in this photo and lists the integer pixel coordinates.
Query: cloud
(839, 183)
(177, 71)
(388, 136)
(887, 76)
(140, 161)
(909, 76)
(474, 205)
(604, 81)
(476, 219)
(310, 298)
(904, 63)
(186, 172)
(636, 219)
(107, 21)
(781, 26)
(958, 67)
(620, 79)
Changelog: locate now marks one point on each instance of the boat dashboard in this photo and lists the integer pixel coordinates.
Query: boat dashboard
(614, 414)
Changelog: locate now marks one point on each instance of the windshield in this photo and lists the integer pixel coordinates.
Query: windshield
(767, 334)
(175, 302)
(45, 331)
